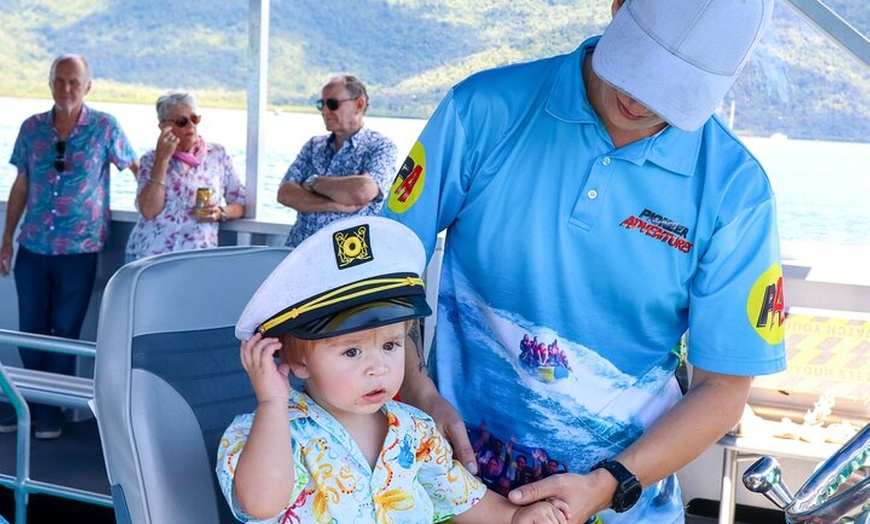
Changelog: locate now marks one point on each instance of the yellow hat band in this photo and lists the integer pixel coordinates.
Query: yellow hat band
(352, 291)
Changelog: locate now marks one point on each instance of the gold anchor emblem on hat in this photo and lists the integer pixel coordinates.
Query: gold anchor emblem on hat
(352, 246)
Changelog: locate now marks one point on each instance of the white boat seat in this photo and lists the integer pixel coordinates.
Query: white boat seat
(168, 379)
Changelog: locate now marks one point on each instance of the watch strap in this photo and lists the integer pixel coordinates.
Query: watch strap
(628, 487)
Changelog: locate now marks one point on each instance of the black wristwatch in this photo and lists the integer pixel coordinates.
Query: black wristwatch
(628, 491)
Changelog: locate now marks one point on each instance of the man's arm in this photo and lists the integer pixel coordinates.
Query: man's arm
(419, 390)
(292, 194)
(14, 209)
(351, 190)
(713, 404)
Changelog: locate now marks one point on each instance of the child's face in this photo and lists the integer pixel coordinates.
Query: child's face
(357, 373)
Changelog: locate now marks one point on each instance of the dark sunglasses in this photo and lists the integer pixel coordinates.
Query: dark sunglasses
(182, 121)
(60, 156)
(331, 103)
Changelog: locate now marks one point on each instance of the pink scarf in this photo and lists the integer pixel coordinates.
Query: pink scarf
(195, 156)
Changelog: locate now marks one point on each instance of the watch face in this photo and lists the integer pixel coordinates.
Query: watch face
(627, 495)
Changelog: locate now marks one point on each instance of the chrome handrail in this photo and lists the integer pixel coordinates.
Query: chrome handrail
(21, 483)
(82, 348)
(820, 500)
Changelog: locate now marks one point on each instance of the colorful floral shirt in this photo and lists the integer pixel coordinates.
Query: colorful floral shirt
(68, 211)
(415, 479)
(175, 228)
(365, 152)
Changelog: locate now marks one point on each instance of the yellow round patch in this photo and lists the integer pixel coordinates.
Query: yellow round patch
(409, 182)
(352, 246)
(766, 306)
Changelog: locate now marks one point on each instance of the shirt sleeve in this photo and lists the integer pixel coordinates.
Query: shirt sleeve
(380, 164)
(737, 313)
(433, 181)
(20, 153)
(234, 190)
(229, 450)
(451, 488)
(303, 166)
(121, 153)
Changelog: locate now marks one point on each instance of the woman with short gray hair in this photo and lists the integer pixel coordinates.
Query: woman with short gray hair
(187, 186)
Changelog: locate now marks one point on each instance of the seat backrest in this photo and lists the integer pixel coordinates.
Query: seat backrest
(168, 379)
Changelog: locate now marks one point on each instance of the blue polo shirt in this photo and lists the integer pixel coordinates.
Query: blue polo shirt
(572, 268)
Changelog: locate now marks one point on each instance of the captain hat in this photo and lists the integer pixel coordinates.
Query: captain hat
(353, 274)
(680, 57)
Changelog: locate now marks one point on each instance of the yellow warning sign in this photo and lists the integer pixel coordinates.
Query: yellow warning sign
(825, 355)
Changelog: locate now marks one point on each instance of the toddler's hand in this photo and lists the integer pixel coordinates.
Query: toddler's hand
(268, 379)
(553, 511)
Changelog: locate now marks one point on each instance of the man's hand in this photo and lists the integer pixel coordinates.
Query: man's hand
(450, 425)
(453, 428)
(6, 252)
(585, 495)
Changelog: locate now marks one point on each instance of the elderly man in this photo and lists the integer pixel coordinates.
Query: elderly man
(63, 158)
(345, 172)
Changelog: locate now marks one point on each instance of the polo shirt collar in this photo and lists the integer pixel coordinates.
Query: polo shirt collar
(568, 102)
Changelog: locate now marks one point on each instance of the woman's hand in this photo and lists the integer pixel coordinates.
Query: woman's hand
(268, 378)
(208, 213)
(167, 143)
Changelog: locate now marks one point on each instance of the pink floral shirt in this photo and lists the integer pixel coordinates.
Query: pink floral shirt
(175, 228)
(67, 210)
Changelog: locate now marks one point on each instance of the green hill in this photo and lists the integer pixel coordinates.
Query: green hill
(408, 51)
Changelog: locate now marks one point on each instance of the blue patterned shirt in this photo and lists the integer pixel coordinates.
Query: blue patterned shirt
(365, 152)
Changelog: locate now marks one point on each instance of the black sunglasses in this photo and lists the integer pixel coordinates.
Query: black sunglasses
(331, 103)
(182, 121)
(60, 157)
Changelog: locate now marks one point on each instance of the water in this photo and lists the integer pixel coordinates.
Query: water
(283, 136)
(822, 187)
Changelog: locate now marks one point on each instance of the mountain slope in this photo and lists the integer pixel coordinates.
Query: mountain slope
(408, 51)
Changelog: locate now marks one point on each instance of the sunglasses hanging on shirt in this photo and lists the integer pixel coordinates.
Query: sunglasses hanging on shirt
(60, 156)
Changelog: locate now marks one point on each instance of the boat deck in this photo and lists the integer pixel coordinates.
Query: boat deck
(74, 459)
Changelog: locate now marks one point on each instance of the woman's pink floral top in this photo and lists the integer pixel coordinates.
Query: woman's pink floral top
(175, 228)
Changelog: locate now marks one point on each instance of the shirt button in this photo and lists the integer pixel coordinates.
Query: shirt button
(606, 161)
(592, 194)
(53, 211)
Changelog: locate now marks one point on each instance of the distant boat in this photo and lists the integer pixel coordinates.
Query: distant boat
(779, 136)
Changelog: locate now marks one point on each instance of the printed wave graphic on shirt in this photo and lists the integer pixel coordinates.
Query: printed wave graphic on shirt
(577, 433)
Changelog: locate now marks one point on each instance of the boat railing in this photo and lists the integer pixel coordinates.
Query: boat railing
(19, 386)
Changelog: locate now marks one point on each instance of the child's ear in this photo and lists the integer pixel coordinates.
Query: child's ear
(299, 369)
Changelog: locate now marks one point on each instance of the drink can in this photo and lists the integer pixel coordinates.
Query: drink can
(594, 519)
(203, 197)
